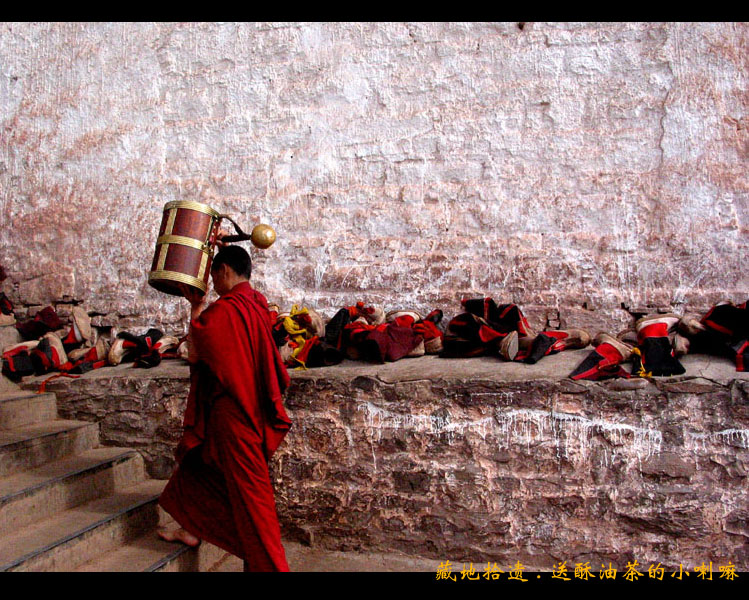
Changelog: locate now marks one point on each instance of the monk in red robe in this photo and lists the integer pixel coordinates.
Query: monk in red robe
(234, 421)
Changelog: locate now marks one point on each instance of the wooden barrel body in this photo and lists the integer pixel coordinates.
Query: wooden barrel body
(184, 247)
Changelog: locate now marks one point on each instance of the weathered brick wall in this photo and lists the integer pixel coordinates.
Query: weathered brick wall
(498, 466)
(566, 167)
(482, 460)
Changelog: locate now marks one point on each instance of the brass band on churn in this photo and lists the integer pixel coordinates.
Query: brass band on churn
(185, 245)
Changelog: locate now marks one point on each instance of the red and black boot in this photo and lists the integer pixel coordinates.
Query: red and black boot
(158, 350)
(729, 326)
(80, 332)
(553, 341)
(469, 335)
(605, 361)
(729, 320)
(128, 347)
(17, 361)
(500, 317)
(84, 360)
(49, 354)
(655, 351)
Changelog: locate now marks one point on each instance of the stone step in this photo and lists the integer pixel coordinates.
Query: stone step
(149, 553)
(76, 536)
(26, 408)
(33, 445)
(186, 559)
(39, 493)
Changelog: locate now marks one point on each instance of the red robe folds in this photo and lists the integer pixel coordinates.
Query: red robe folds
(234, 421)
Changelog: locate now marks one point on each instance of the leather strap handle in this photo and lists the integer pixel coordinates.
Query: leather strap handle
(240, 236)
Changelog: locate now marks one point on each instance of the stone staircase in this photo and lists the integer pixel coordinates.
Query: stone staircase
(69, 504)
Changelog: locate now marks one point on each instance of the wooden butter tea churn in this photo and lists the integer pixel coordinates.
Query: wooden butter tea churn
(185, 245)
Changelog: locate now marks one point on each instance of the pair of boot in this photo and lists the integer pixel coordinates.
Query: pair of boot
(33, 357)
(83, 360)
(48, 354)
(17, 362)
(346, 332)
(722, 331)
(50, 351)
(648, 346)
(45, 321)
(144, 351)
(336, 335)
(605, 360)
(551, 342)
(654, 354)
(730, 324)
(79, 347)
(300, 335)
(485, 328)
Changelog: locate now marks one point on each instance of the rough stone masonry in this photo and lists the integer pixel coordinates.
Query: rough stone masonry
(576, 169)
(478, 460)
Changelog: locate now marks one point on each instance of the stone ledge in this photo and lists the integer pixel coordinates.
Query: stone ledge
(479, 459)
(701, 368)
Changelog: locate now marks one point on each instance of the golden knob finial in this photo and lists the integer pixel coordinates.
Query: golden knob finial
(263, 236)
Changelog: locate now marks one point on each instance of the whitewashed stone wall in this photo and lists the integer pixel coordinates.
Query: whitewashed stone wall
(571, 168)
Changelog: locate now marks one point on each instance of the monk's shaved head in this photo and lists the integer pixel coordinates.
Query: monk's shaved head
(234, 257)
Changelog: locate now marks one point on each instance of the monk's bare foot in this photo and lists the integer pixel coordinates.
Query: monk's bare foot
(179, 535)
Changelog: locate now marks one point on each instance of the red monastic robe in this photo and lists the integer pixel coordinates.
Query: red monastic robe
(234, 421)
